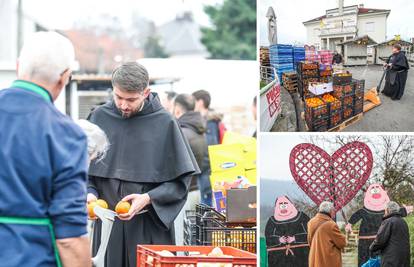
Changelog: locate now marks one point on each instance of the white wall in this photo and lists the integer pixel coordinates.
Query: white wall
(312, 36)
(380, 27)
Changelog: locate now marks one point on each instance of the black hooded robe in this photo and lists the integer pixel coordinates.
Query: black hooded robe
(148, 154)
(370, 223)
(296, 227)
(397, 76)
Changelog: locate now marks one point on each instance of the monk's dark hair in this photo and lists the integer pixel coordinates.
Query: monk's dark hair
(185, 101)
(130, 76)
(397, 46)
(204, 96)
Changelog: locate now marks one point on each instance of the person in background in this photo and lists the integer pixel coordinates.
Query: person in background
(393, 238)
(214, 136)
(167, 100)
(337, 58)
(325, 239)
(193, 127)
(254, 112)
(43, 162)
(396, 76)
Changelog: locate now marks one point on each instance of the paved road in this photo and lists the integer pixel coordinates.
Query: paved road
(391, 116)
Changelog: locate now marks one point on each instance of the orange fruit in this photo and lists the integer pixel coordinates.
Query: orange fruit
(102, 203)
(122, 207)
(91, 206)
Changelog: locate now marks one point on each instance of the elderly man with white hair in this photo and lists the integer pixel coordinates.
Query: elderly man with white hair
(325, 239)
(393, 238)
(43, 163)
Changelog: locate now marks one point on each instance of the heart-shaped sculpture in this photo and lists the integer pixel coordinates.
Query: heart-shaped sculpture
(336, 178)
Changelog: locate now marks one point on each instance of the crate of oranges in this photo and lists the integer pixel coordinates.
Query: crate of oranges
(315, 108)
(333, 103)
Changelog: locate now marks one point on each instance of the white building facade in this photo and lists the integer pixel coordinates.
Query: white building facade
(345, 23)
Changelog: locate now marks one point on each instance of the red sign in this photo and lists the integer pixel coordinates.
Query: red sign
(273, 100)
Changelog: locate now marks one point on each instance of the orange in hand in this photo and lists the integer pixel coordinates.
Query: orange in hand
(91, 206)
(122, 207)
(102, 203)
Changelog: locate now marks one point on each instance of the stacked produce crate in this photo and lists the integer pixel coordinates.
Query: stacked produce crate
(281, 58)
(193, 256)
(311, 54)
(344, 90)
(351, 92)
(325, 73)
(307, 72)
(211, 229)
(325, 56)
(265, 62)
(298, 55)
(290, 81)
(316, 114)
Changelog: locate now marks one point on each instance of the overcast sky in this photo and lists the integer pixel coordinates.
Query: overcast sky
(290, 15)
(61, 14)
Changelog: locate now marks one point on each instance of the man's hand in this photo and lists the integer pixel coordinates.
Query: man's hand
(138, 202)
(348, 228)
(75, 251)
(91, 197)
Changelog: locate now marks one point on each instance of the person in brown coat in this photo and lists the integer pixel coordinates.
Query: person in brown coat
(325, 239)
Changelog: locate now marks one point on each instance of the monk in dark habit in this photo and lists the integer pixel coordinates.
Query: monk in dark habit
(396, 77)
(149, 163)
(286, 235)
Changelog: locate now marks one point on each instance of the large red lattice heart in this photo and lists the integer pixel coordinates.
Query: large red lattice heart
(336, 178)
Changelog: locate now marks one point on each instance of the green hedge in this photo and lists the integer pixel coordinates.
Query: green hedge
(410, 221)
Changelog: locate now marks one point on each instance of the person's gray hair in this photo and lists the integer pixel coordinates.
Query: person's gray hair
(326, 207)
(392, 207)
(45, 56)
(97, 140)
(130, 76)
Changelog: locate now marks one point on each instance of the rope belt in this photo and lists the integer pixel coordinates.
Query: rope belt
(36, 222)
(367, 237)
(288, 248)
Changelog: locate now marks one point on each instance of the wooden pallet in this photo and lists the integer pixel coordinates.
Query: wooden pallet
(340, 126)
(346, 123)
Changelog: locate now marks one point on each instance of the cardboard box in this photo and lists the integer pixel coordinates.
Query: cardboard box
(227, 157)
(320, 88)
(251, 175)
(241, 205)
(218, 178)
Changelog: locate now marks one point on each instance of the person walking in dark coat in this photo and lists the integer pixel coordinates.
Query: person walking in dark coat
(397, 74)
(337, 58)
(393, 239)
(193, 126)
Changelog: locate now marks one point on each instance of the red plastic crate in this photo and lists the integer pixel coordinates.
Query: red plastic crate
(148, 256)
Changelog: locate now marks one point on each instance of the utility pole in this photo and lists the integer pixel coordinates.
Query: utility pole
(19, 26)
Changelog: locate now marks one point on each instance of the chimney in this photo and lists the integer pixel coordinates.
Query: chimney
(341, 7)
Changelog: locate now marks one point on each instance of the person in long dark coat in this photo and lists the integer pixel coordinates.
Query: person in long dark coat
(286, 236)
(397, 73)
(371, 216)
(149, 163)
(393, 239)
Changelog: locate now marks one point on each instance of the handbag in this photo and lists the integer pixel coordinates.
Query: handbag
(373, 262)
